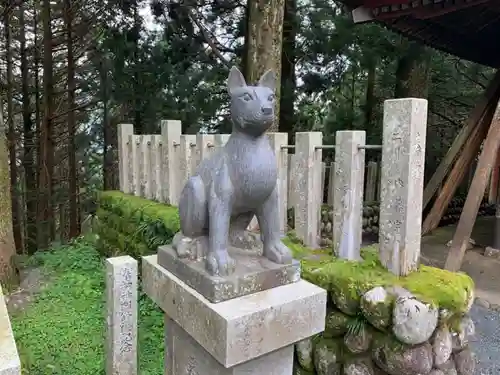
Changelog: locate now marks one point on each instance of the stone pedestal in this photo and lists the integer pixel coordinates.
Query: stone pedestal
(251, 334)
(253, 273)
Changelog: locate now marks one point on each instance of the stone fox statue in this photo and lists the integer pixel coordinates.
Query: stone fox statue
(236, 182)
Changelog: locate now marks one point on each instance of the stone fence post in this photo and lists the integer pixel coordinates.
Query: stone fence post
(121, 302)
(124, 133)
(348, 194)
(402, 180)
(277, 140)
(171, 137)
(308, 157)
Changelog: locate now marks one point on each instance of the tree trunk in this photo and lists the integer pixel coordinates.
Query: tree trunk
(29, 141)
(36, 66)
(8, 273)
(45, 214)
(412, 73)
(107, 165)
(370, 101)
(18, 239)
(265, 44)
(138, 125)
(74, 229)
(288, 79)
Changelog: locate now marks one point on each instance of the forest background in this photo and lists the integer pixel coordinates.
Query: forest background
(72, 70)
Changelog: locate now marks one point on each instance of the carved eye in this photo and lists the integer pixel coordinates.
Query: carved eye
(271, 97)
(247, 97)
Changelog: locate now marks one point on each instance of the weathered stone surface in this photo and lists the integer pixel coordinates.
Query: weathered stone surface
(184, 356)
(121, 304)
(327, 356)
(237, 330)
(413, 321)
(304, 352)
(396, 359)
(402, 183)
(376, 305)
(358, 342)
(253, 273)
(344, 301)
(10, 363)
(397, 291)
(492, 252)
(358, 366)
(465, 362)
(348, 195)
(448, 368)
(297, 370)
(336, 324)
(466, 333)
(442, 345)
(436, 372)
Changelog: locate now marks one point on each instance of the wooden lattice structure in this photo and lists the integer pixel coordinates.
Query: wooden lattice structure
(463, 28)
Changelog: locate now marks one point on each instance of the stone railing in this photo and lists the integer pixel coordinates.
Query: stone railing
(157, 167)
(10, 363)
(383, 313)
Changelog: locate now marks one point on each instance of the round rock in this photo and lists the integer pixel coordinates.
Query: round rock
(358, 366)
(442, 345)
(414, 322)
(397, 360)
(376, 307)
(327, 353)
(465, 362)
(304, 353)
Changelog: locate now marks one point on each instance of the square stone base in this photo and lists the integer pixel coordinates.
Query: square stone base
(241, 329)
(253, 273)
(184, 356)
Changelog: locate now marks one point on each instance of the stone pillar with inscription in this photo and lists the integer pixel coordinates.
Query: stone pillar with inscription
(402, 182)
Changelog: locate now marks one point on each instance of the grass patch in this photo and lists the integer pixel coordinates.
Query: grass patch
(63, 330)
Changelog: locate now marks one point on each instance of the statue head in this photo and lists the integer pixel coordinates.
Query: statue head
(252, 107)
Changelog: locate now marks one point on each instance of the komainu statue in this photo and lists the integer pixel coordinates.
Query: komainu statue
(235, 183)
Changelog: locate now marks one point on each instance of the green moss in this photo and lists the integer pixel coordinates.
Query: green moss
(136, 220)
(133, 225)
(139, 208)
(441, 288)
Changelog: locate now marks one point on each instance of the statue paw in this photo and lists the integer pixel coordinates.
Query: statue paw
(278, 252)
(190, 248)
(219, 263)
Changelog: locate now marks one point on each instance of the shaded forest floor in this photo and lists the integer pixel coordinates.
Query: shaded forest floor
(62, 330)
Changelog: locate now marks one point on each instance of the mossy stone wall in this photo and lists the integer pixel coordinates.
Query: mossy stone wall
(376, 324)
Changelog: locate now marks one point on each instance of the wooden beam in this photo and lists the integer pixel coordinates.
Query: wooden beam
(474, 118)
(459, 170)
(475, 195)
(493, 185)
(422, 11)
(432, 12)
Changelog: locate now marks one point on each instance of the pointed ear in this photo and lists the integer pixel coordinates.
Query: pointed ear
(235, 80)
(268, 80)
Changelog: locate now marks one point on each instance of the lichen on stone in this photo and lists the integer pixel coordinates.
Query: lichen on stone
(336, 324)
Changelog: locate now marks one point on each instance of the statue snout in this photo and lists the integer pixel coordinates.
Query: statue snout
(267, 111)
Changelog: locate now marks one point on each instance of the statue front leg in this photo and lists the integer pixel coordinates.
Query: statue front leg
(268, 217)
(219, 210)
